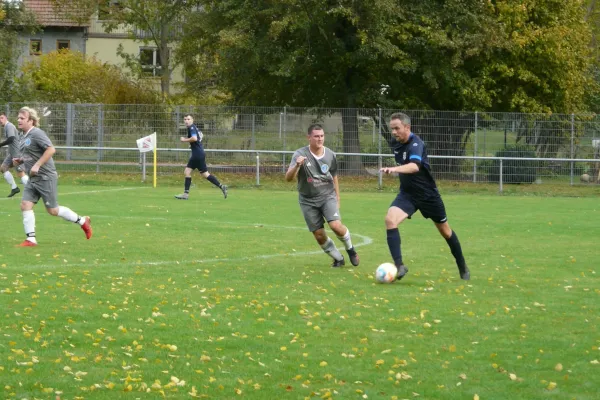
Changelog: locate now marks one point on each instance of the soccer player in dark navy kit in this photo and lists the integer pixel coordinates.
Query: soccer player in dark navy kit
(418, 191)
(197, 160)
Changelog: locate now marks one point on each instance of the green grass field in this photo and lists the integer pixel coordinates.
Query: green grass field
(226, 299)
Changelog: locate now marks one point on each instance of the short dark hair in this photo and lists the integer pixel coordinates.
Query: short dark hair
(314, 127)
(188, 115)
(3, 113)
(405, 119)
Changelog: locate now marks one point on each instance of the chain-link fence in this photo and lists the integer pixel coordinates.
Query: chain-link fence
(101, 138)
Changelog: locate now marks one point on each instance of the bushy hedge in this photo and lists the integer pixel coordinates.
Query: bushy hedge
(513, 171)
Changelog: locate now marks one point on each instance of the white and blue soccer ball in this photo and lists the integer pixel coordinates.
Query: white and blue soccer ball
(386, 273)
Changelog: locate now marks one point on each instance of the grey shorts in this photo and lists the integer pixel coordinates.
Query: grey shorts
(314, 215)
(45, 189)
(9, 163)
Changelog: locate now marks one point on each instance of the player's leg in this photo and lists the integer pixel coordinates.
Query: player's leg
(401, 208)
(4, 168)
(21, 174)
(454, 244)
(332, 216)
(29, 199)
(211, 178)
(314, 222)
(435, 209)
(48, 192)
(187, 172)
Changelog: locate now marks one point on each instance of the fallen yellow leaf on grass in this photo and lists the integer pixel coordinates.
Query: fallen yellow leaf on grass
(558, 367)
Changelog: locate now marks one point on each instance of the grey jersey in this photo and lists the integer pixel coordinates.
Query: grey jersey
(315, 177)
(33, 146)
(13, 148)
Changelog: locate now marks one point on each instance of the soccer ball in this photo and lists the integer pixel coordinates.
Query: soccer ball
(386, 273)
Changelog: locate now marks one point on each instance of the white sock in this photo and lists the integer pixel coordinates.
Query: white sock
(69, 215)
(24, 179)
(10, 179)
(29, 225)
(346, 239)
(329, 248)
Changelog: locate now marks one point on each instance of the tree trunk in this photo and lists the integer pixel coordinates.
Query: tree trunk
(165, 62)
(351, 144)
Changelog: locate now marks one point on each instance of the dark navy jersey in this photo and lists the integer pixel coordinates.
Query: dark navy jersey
(197, 149)
(420, 184)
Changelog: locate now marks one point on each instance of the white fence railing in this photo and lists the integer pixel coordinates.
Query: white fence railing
(476, 169)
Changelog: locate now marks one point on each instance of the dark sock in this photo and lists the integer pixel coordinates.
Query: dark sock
(393, 240)
(188, 183)
(213, 179)
(456, 250)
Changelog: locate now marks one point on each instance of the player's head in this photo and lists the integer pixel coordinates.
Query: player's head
(188, 119)
(28, 118)
(316, 136)
(400, 126)
(3, 119)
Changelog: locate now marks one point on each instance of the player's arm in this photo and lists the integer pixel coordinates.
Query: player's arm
(336, 187)
(294, 167)
(50, 150)
(410, 168)
(7, 141)
(192, 139)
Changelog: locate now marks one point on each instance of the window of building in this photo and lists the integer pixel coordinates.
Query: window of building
(63, 45)
(35, 47)
(107, 8)
(150, 61)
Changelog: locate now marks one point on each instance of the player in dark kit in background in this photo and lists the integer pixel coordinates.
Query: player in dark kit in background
(315, 166)
(197, 160)
(418, 191)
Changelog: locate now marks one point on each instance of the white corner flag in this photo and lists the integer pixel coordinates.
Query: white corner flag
(147, 144)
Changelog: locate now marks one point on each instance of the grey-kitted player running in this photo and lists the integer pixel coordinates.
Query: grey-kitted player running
(11, 140)
(36, 157)
(315, 166)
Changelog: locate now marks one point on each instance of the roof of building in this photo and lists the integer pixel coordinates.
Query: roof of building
(47, 15)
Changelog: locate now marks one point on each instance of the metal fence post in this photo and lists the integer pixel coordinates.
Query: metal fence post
(100, 136)
(572, 146)
(284, 131)
(253, 138)
(475, 152)
(280, 124)
(257, 169)
(380, 158)
(500, 175)
(143, 167)
(69, 133)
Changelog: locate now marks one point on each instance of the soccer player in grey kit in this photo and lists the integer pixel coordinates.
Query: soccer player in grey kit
(315, 166)
(12, 141)
(36, 157)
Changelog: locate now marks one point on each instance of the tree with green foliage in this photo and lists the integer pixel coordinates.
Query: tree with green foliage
(69, 77)
(13, 19)
(154, 22)
(511, 55)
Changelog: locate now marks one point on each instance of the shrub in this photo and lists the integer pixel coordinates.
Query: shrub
(513, 171)
(69, 77)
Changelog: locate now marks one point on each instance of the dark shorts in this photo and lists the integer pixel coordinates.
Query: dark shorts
(431, 206)
(197, 162)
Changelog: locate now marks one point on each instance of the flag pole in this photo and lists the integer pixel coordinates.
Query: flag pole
(154, 151)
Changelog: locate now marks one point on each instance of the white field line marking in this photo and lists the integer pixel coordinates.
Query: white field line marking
(82, 192)
(365, 242)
